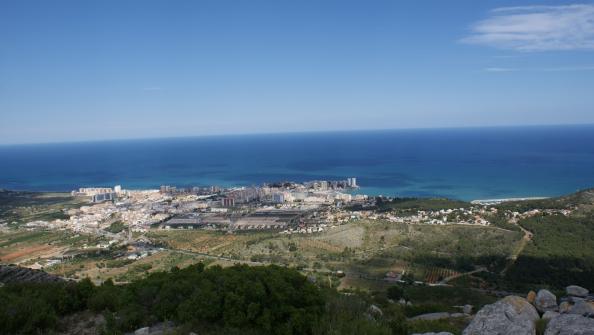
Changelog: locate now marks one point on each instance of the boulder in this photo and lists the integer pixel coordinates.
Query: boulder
(575, 300)
(582, 308)
(142, 331)
(531, 297)
(467, 309)
(510, 315)
(549, 315)
(546, 301)
(375, 311)
(570, 324)
(576, 291)
(432, 316)
(564, 307)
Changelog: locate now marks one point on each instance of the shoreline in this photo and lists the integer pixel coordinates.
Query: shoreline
(502, 200)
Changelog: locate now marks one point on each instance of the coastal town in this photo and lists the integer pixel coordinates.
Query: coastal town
(285, 207)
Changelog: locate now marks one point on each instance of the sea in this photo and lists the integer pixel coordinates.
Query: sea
(464, 163)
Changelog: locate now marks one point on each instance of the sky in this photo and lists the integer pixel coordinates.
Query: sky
(87, 70)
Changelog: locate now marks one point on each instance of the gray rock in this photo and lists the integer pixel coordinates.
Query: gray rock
(510, 315)
(545, 301)
(564, 307)
(570, 324)
(575, 300)
(549, 315)
(440, 333)
(582, 308)
(142, 331)
(375, 311)
(467, 309)
(576, 291)
(432, 316)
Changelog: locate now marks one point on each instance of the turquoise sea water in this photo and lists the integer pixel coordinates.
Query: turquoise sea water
(473, 163)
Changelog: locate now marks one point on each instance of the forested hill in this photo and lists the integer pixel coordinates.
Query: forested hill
(582, 201)
(270, 300)
(561, 249)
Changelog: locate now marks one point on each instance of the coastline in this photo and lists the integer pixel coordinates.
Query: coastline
(502, 200)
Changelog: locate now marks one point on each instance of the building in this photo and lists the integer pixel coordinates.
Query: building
(102, 197)
(228, 202)
(184, 222)
(91, 191)
(352, 182)
(117, 189)
(278, 198)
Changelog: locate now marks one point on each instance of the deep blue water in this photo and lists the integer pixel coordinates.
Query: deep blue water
(466, 164)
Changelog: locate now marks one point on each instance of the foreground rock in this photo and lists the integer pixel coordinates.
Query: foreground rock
(546, 301)
(510, 315)
(570, 324)
(576, 291)
(582, 308)
(531, 297)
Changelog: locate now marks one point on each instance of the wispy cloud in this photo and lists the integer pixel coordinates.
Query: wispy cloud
(149, 89)
(537, 28)
(500, 69)
(541, 69)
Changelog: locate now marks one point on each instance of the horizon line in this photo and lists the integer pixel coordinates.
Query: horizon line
(297, 132)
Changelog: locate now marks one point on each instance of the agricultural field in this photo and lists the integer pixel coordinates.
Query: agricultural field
(364, 250)
(17, 208)
(27, 247)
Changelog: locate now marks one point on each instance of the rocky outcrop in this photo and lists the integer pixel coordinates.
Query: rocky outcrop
(431, 316)
(582, 308)
(162, 328)
(510, 315)
(576, 291)
(545, 301)
(17, 274)
(531, 297)
(515, 315)
(549, 315)
(570, 324)
(564, 307)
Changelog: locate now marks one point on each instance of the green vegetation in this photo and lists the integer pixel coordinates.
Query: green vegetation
(18, 207)
(541, 326)
(561, 252)
(269, 299)
(116, 227)
(416, 204)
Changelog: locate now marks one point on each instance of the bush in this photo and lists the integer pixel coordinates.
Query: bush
(395, 292)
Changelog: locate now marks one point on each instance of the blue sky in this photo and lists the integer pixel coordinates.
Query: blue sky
(82, 70)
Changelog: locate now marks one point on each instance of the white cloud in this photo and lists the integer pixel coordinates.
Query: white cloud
(537, 28)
